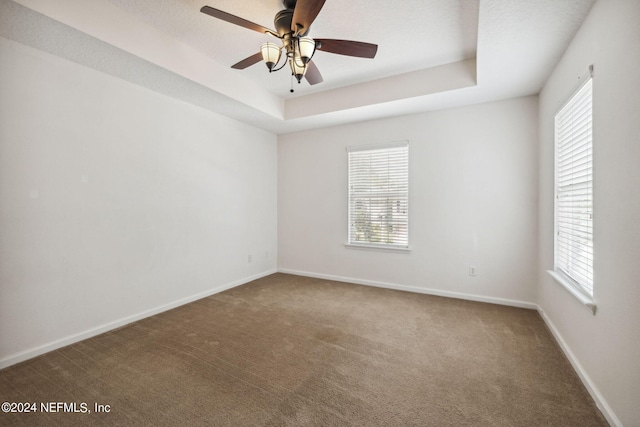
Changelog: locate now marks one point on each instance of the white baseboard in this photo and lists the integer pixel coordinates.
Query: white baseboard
(37, 351)
(584, 377)
(415, 289)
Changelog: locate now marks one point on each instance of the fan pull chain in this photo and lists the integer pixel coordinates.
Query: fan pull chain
(291, 90)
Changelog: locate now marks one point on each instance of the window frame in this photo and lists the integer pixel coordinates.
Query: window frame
(570, 251)
(402, 246)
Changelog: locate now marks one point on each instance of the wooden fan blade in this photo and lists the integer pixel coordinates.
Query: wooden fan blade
(304, 14)
(347, 47)
(216, 13)
(247, 62)
(312, 74)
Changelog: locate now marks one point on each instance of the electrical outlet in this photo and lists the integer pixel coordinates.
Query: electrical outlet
(472, 270)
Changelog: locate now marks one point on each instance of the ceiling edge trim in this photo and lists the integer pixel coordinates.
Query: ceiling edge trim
(455, 75)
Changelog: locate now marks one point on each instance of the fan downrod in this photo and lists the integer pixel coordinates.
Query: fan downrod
(289, 4)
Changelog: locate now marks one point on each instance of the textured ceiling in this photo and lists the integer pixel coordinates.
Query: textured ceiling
(411, 34)
(432, 54)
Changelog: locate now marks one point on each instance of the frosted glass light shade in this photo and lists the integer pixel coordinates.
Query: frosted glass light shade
(297, 67)
(307, 47)
(270, 54)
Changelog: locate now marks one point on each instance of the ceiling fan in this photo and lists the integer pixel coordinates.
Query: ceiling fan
(292, 26)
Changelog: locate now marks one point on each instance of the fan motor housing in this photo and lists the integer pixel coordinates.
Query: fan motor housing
(282, 22)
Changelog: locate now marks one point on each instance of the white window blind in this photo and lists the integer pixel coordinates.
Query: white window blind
(379, 195)
(574, 190)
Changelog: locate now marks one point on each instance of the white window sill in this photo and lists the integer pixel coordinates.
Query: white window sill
(586, 300)
(377, 248)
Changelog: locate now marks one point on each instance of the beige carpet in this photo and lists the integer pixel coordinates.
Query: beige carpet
(294, 351)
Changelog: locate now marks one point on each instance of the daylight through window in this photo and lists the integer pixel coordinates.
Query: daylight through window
(379, 195)
(574, 190)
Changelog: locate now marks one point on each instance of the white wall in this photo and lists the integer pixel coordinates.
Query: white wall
(116, 202)
(473, 201)
(605, 347)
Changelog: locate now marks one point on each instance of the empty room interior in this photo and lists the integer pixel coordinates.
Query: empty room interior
(409, 216)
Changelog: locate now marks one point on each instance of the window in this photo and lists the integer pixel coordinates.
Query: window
(379, 195)
(574, 191)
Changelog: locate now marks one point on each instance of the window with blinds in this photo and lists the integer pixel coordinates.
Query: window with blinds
(574, 190)
(379, 195)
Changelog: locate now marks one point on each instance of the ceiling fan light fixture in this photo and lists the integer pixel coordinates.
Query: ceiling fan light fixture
(306, 47)
(270, 54)
(292, 26)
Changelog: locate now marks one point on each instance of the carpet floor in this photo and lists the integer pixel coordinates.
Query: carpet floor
(286, 350)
